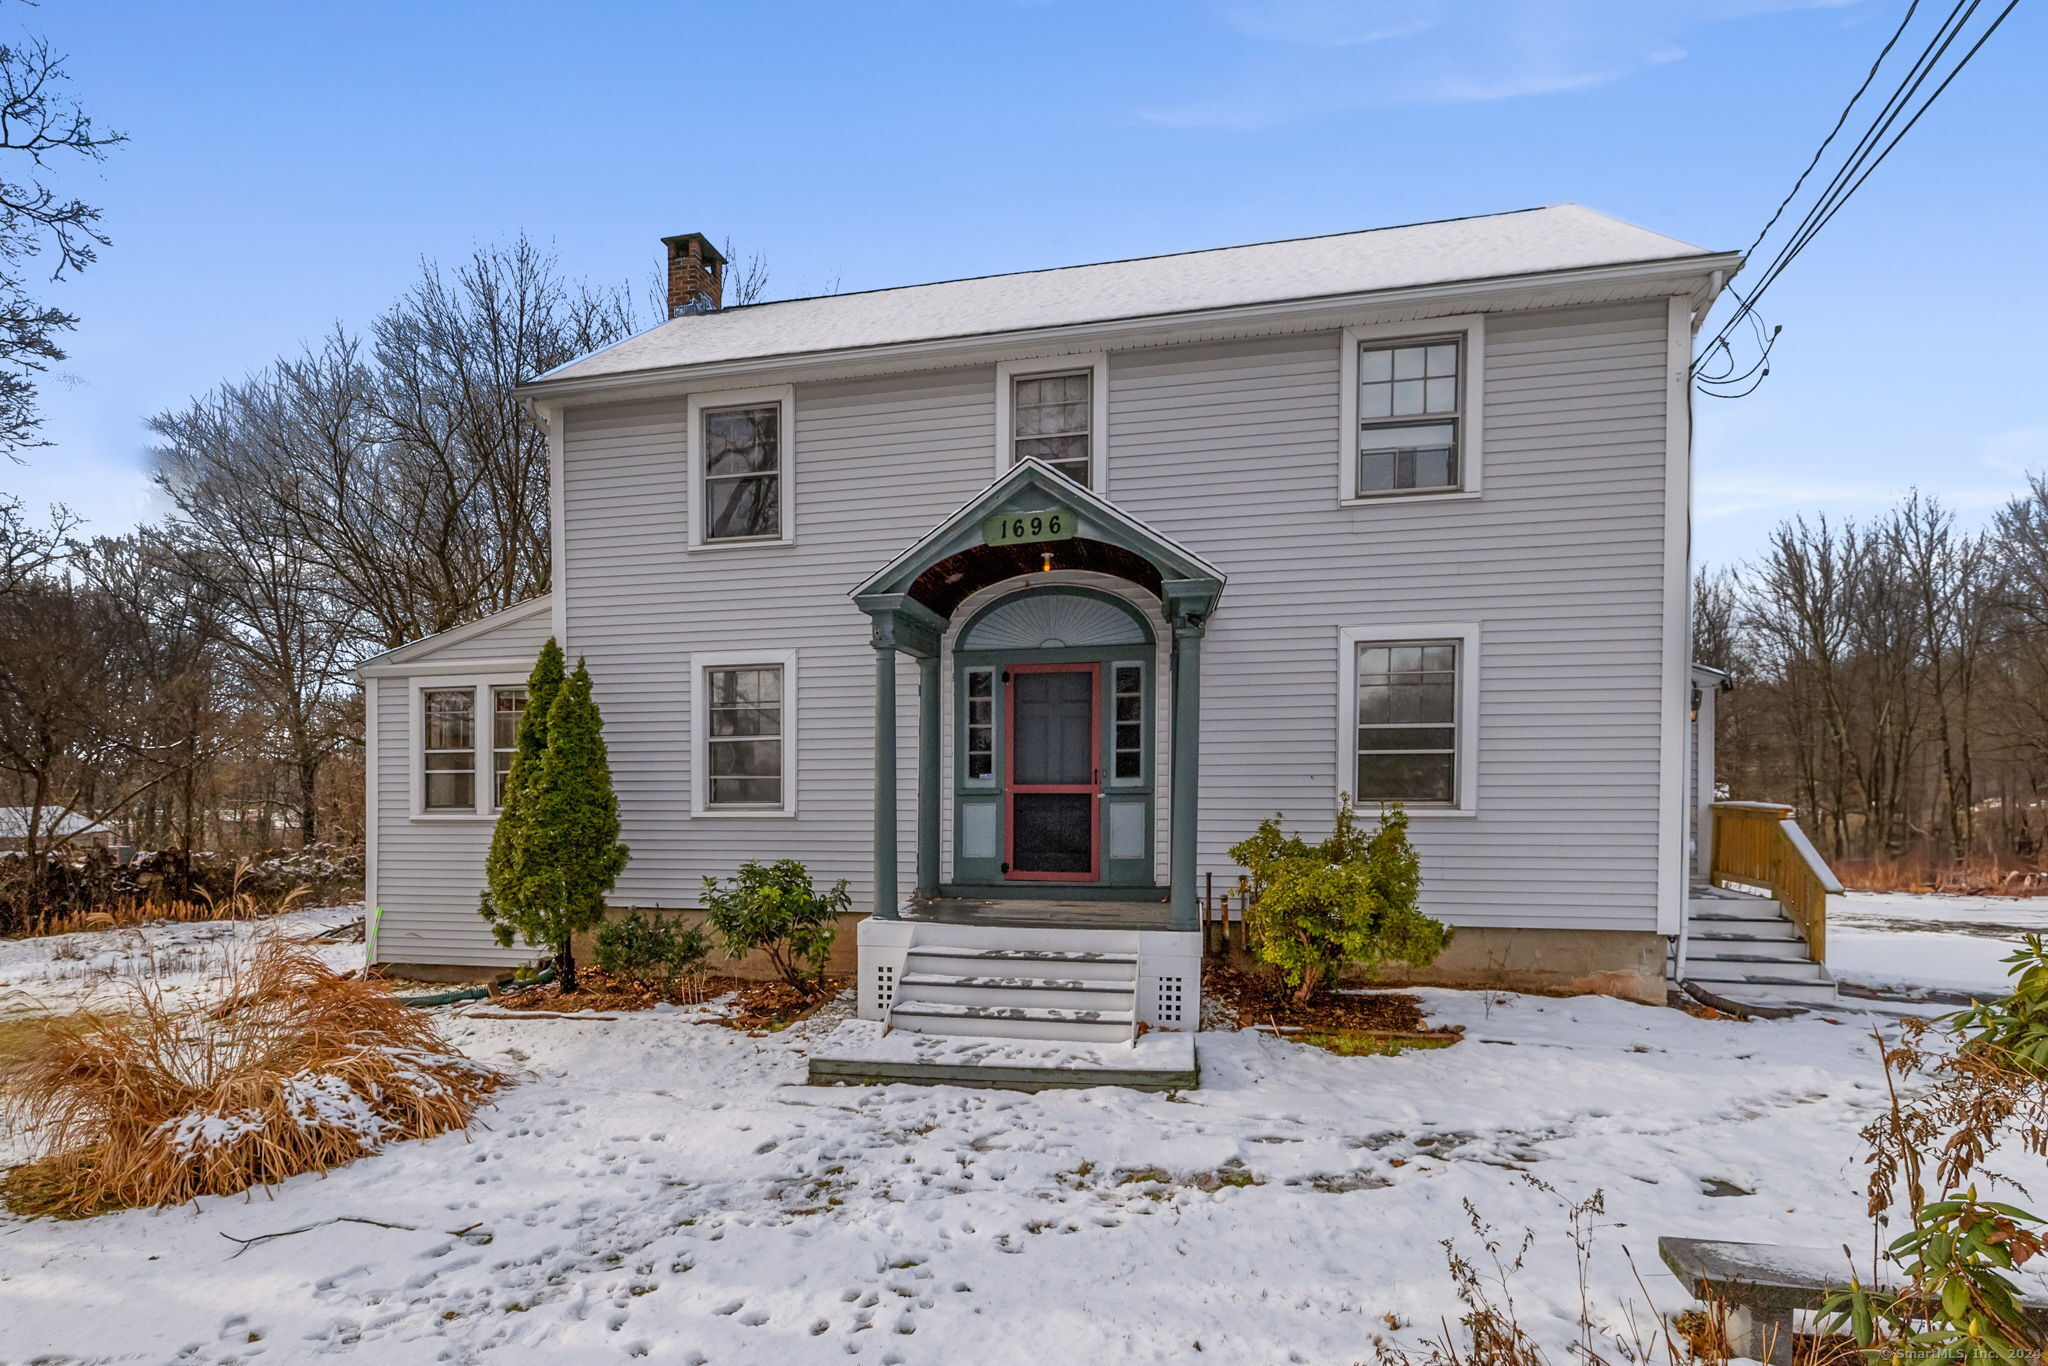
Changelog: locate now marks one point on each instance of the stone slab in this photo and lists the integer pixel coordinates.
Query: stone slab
(864, 1052)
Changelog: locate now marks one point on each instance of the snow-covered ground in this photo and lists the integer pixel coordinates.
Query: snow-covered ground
(661, 1187)
(1953, 944)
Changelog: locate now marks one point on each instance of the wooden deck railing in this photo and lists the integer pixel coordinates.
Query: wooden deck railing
(1759, 845)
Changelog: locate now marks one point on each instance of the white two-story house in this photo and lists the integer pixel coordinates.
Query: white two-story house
(1017, 601)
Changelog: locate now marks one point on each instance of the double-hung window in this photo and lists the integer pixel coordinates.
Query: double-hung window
(1054, 413)
(740, 468)
(1408, 417)
(465, 733)
(745, 735)
(1411, 412)
(1407, 717)
(507, 706)
(448, 749)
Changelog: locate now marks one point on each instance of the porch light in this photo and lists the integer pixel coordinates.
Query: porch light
(1048, 562)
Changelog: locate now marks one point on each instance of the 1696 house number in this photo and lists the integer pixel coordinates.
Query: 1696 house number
(1018, 528)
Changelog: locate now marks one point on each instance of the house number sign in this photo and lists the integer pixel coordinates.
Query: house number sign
(1021, 528)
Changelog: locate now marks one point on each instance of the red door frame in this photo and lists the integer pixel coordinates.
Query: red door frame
(1011, 787)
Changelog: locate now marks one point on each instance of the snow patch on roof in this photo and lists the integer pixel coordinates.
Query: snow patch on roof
(1530, 241)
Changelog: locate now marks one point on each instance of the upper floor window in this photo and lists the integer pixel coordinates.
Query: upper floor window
(740, 467)
(1049, 422)
(1411, 411)
(742, 473)
(1408, 417)
(1054, 411)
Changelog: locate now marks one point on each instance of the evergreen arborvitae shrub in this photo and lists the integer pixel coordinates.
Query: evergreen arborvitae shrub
(559, 825)
(773, 908)
(1348, 901)
(505, 882)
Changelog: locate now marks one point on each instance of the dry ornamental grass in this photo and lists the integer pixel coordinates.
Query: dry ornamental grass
(288, 1068)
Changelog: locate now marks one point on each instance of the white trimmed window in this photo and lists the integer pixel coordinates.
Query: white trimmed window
(465, 729)
(1411, 410)
(448, 748)
(1057, 411)
(508, 705)
(742, 449)
(744, 749)
(1406, 710)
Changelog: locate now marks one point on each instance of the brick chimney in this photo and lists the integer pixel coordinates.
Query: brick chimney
(696, 275)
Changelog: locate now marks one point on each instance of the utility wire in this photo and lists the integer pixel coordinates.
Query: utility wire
(1870, 151)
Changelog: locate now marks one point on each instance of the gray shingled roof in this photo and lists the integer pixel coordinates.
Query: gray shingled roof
(1531, 241)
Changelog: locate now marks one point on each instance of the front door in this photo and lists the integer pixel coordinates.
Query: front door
(1054, 774)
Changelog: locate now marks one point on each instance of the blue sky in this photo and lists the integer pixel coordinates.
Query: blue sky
(290, 164)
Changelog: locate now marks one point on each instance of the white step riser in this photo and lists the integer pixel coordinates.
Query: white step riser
(948, 965)
(1773, 931)
(1125, 1000)
(1074, 1031)
(1017, 937)
(1770, 950)
(1735, 910)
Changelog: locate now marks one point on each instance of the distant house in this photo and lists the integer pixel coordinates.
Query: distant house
(75, 828)
(1016, 601)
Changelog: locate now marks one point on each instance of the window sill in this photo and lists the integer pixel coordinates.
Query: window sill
(1359, 500)
(455, 817)
(753, 813)
(1433, 812)
(743, 543)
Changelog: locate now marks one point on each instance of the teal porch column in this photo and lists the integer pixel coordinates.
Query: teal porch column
(885, 779)
(1187, 606)
(928, 697)
(901, 623)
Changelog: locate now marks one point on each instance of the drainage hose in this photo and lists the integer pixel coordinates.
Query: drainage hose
(449, 998)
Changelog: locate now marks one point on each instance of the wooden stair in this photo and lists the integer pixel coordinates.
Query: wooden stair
(1746, 948)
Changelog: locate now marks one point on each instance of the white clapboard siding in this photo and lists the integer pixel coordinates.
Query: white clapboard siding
(1559, 564)
(428, 873)
(877, 463)
(1232, 447)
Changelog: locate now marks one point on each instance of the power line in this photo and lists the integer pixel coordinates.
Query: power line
(1872, 147)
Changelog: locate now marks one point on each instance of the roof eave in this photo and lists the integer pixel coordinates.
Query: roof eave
(1702, 276)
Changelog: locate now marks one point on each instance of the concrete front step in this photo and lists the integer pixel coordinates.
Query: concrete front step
(1014, 1022)
(1068, 993)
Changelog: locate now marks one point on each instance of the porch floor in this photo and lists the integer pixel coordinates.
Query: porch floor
(1036, 914)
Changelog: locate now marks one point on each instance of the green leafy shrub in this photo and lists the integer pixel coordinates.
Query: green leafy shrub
(1350, 900)
(773, 908)
(648, 949)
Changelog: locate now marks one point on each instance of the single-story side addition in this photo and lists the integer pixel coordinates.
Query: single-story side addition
(1017, 601)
